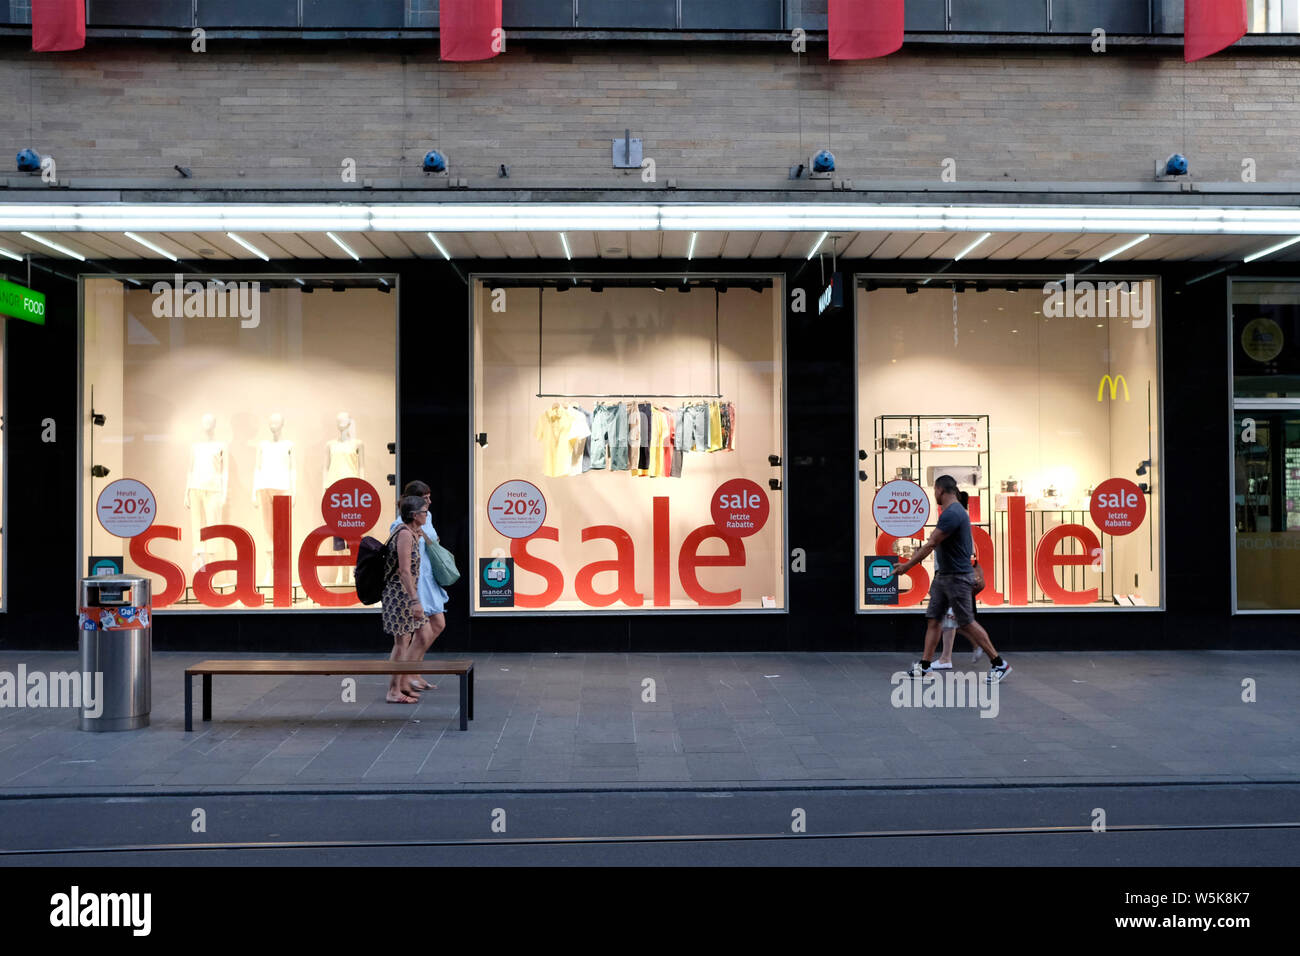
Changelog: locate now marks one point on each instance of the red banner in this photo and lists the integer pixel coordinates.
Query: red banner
(470, 29)
(862, 29)
(58, 25)
(1211, 25)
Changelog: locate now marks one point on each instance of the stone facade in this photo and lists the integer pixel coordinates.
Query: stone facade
(285, 115)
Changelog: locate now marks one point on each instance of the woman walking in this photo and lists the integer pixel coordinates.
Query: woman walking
(432, 596)
(403, 611)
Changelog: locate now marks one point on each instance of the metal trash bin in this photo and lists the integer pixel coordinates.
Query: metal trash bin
(116, 625)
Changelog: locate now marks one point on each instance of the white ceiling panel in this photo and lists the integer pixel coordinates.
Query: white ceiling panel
(582, 244)
(294, 245)
(645, 244)
(1053, 246)
(708, 245)
(547, 244)
(771, 245)
(196, 244)
(233, 250)
(740, 245)
(612, 245)
(517, 245)
(895, 245)
(863, 244)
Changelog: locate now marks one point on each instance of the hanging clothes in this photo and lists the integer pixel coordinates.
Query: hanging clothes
(609, 437)
(579, 433)
(552, 430)
(633, 435)
(715, 427)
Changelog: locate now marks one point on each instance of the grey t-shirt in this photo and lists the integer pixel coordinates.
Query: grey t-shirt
(952, 556)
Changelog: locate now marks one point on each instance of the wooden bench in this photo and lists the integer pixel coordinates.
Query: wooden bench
(462, 669)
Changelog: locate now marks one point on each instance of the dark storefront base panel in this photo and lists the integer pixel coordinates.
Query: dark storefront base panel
(42, 382)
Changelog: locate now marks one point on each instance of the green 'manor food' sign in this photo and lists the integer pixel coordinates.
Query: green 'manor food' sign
(21, 302)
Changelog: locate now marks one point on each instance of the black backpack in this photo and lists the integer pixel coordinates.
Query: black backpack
(373, 558)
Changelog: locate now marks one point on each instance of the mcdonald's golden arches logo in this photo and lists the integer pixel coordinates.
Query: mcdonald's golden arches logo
(1114, 383)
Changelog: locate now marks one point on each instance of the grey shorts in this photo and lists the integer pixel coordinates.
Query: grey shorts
(951, 591)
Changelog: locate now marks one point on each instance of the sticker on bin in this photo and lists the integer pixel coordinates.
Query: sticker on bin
(114, 618)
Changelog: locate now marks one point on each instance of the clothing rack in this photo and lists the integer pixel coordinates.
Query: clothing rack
(717, 363)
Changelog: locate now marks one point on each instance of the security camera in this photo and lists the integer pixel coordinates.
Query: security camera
(435, 162)
(821, 165)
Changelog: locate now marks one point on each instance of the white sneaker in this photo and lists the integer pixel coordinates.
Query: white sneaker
(977, 654)
(996, 674)
(941, 666)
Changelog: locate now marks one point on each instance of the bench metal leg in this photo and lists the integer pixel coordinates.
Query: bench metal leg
(207, 696)
(464, 702)
(471, 693)
(189, 702)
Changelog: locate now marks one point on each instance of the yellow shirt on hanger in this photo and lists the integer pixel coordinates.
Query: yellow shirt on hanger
(715, 426)
(658, 434)
(552, 431)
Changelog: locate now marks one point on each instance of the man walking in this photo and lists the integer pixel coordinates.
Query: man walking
(953, 581)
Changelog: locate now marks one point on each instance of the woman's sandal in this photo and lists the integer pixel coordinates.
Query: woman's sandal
(427, 686)
(402, 699)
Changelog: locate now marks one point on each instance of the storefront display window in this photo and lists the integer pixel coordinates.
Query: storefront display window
(1042, 400)
(4, 459)
(1266, 444)
(628, 444)
(216, 412)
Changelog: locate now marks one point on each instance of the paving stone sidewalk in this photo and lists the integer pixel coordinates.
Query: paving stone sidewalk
(716, 720)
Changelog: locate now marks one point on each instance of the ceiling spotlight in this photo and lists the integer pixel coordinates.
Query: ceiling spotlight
(981, 287)
(871, 285)
(1143, 466)
(597, 287)
(757, 287)
(338, 287)
(959, 287)
(911, 288)
(721, 287)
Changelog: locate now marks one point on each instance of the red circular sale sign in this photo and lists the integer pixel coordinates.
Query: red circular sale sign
(739, 508)
(1118, 506)
(350, 507)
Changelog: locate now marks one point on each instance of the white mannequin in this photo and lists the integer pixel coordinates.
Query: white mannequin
(206, 485)
(344, 458)
(274, 474)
